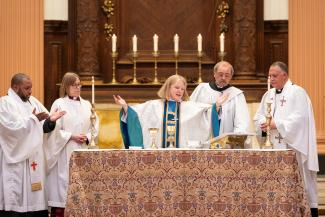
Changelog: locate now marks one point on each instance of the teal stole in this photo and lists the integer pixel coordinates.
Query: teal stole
(170, 134)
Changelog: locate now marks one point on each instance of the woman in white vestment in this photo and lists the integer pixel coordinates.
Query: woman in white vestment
(179, 123)
(72, 132)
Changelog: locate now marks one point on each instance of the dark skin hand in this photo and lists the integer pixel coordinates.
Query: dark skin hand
(40, 116)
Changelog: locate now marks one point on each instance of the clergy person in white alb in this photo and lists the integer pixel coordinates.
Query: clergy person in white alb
(22, 172)
(231, 102)
(73, 131)
(292, 125)
(191, 122)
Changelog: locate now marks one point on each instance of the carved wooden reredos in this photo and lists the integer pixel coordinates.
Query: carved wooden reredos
(91, 22)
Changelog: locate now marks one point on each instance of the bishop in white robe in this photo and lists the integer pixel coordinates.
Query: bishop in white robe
(292, 126)
(193, 124)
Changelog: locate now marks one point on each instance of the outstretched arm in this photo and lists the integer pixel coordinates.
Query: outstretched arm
(120, 101)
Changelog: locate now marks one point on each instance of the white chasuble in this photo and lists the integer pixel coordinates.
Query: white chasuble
(234, 116)
(60, 147)
(194, 124)
(293, 115)
(22, 171)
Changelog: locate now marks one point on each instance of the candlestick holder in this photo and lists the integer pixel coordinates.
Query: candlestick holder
(114, 56)
(199, 55)
(176, 62)
(155, 55)
(268, 116)
(135, 55)
(92, 143)
(222, 55)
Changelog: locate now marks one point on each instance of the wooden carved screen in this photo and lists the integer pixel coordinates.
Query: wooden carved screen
(90, 51)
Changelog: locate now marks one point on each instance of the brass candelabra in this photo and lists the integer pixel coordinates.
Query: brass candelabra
(176, 62)
(222, 55)
(92, 143)
(199, 55)
(268, 116)
(135, 81)
(155, 55)
(114, 56)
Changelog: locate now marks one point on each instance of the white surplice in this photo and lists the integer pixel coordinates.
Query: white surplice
(234, 112)
(60, 147)
(21, 155)
(293, 115)
(194, 122)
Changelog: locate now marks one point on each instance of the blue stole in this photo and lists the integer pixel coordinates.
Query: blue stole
(171, 121)
(215, 121)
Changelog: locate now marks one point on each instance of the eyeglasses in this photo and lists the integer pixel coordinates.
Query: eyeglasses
(76, 85)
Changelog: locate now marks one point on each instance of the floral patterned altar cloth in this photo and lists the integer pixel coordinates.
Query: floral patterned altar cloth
(185, 183)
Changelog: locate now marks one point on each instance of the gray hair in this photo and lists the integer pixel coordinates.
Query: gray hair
(215, 68)
(281, 65)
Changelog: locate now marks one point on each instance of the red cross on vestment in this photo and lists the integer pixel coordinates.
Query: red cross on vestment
(279, 137)
(34, 165)
(282, 100)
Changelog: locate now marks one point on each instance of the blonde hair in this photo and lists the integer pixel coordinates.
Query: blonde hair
(164, 92)
(68, 80)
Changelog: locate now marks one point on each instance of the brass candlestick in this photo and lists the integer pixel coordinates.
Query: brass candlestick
(268, 116)
(92, 144)
(176, 62)
(222, 55)
(199, 55)
(135, 81)
(155, 54)
(114, 56)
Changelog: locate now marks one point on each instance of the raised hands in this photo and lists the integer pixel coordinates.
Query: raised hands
(57, 115)
(40, 116)
(120, 101)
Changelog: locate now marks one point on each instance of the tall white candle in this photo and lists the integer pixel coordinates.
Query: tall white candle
(155, 43)
(135, 43)
(92, 90)
(268, 88)
(176, 41)
(222, 42)
(199, 43)
(114, 39)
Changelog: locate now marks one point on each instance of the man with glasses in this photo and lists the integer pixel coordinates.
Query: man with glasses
(231, 103)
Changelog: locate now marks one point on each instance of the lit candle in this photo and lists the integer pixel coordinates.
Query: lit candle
(268, 87)
(222, 42)
(176, 41)
(114, 39)
(134, 43)
(92, 90)
(199, 43)
(155, 43)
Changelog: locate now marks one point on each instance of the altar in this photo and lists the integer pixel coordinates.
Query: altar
(185, 183)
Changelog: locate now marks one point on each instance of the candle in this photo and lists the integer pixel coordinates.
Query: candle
(268, 87)
(222, 42)
(176, 41)
(134, 43)
(114, 39)
(199, 43)
(155, 43)
(92, 90)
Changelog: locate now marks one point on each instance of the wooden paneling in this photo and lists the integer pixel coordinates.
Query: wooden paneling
(276, 42)
(21, 42)
(56, 54)
(306, 56)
